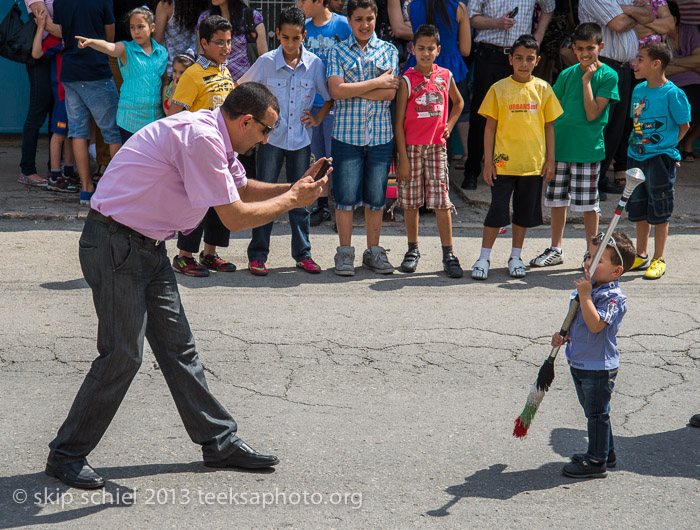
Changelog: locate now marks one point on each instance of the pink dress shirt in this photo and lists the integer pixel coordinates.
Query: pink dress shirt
(169, 173)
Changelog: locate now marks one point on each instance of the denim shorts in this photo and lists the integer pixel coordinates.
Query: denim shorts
(360, 174)
(652, 201)
(97, 98)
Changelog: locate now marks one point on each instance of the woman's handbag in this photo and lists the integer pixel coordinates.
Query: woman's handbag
(16, 37)
(251, 35)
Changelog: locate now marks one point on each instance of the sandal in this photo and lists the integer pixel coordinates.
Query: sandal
(480, 269)
(97, 175)
(620, 181)
(459, 162)
(687, 156)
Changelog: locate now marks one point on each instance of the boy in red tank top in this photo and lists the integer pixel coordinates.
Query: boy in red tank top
(422, 130)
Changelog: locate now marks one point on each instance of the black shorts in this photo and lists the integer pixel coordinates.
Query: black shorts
(527, 201)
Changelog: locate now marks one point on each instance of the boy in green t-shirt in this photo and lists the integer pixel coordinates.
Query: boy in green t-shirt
(585, 91)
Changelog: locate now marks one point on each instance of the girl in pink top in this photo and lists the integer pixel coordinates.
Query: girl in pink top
(422, 130)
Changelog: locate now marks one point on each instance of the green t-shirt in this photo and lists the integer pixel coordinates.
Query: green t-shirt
(577, 139)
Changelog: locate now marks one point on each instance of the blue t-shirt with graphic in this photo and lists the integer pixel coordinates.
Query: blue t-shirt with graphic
(320, 40)
(656, 114)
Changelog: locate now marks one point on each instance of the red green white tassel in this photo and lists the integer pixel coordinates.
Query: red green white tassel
(523, 422)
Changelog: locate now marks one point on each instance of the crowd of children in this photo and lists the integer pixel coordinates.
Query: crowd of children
(335, 81)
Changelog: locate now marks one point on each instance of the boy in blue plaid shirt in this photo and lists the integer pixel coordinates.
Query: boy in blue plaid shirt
(362, 80)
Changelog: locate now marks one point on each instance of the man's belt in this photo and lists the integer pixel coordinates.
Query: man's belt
(504, 50)
(97, 216)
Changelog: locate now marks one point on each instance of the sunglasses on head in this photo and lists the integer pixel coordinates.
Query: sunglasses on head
(611, 243)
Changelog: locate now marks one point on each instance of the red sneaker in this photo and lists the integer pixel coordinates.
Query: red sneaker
(257, 268)
(189, 267)
(215, 263)
(309, 265)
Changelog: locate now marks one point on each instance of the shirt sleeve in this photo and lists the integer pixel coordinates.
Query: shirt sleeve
(335, 67)
(186, 91)
(609, 309)
(256, 72)
(547, 6)
(108, 12)
(679, 107)
(552, 107)
(602, 11)
(559, 85)
(257, 17)
(476, 7)
(607, 88)
(320, 81)
(489, 107)
(206, 155)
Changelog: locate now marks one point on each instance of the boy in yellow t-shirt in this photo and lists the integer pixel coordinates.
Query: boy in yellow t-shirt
(519, 145)
(204, 86)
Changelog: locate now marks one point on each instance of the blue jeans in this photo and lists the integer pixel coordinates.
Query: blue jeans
(594, 389)
(135, 295)
(268, 166)
(653, 200)
(98, 99)
(360, 174)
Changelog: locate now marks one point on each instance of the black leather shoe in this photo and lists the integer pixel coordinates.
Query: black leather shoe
(469, 182)
(76, 474)
(245, 456)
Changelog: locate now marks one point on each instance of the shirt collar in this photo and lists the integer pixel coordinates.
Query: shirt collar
(138, 49)
(206, 63)
(372, 43)
(606, 286)
(230, 153)
(304, 60)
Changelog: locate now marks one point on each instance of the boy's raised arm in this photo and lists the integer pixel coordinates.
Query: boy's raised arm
(593, 105)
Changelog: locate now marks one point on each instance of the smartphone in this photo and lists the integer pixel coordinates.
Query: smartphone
(513, 12)
(323, 170)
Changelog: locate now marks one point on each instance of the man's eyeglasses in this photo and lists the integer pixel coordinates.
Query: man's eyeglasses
(267, 129)
(221, 43)
(611, 243)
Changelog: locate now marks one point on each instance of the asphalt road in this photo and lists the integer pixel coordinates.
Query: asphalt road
(389, 400)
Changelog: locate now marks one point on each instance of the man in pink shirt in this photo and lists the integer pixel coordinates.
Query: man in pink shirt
(164, 180)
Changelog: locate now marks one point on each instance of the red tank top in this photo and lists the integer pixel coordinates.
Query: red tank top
(427, 106)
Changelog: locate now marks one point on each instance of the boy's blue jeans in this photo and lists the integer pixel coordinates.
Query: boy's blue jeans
(268, 166)
(594, 389)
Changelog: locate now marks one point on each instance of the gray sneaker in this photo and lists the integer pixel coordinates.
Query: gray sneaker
(547, 258)
(344, 261)
(375, 258)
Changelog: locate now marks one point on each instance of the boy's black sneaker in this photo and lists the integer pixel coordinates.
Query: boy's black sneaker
(451, 265)
(319, 215)
(62, 185)
(585, 468)
(469, 182)
(611, 462)
(410, 261)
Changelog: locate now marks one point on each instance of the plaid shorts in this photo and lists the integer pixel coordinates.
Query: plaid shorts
(574, 184)
(429, 182)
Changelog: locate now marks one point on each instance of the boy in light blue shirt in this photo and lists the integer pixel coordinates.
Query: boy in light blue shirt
(592, 353)
(295, 76)
(323, 29)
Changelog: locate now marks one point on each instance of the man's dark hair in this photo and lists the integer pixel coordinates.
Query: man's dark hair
(292, 16)
(250, 98)
(587, 31)
(211, 25)
(427, 30)
(626, 248)
(658, 51)
(526, 41)
(360, 4)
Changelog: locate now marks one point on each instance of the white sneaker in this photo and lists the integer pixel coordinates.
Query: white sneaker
(547, 258)
(516, 267)
(345, 261)
(480, 269)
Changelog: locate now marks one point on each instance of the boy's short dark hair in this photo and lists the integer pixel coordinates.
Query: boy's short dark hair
(250, 98)
(658, 51)
(292, 16)
(625, 246)
(360, 4)
(429, 31)
(526, 41)
(211, 25)
(587, 31)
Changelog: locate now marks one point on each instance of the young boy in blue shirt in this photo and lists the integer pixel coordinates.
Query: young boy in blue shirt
(585, 91)
(660, 119)
(362, 80)
(591, 351)
(323, 29)
(295, 76)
